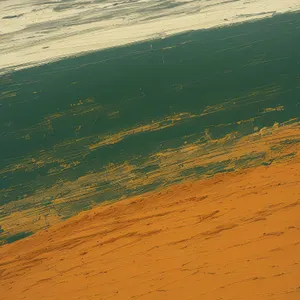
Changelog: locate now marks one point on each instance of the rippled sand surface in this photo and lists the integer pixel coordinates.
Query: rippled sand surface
(234, 236)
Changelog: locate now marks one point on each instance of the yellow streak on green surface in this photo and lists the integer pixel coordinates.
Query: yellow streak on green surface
(170, 163)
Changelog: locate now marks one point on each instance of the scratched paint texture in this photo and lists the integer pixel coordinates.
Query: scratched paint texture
(124, 121)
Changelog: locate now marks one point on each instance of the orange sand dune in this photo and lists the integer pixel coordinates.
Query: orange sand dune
(235, 236)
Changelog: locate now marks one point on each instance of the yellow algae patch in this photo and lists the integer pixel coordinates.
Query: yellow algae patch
(251, 120)
(251, 98)
(233, 151)
(62, 167)
(78, 195)
(76, 104)
(45, 125)
(82, 107)
(54, 116)
(270, 109)
(31, 219)
(27, 136)
(81, 102)
(114, 114)
(42, 159)
(8, 94)
(154, 126)
(231, 146)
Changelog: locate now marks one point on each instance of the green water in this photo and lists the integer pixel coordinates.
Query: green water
(57, 119)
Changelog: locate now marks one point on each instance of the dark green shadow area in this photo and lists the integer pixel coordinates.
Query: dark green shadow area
(16, 237)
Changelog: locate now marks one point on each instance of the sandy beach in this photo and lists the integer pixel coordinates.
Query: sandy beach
(234, 236)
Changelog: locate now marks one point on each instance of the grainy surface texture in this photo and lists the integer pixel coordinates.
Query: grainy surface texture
(235, 236)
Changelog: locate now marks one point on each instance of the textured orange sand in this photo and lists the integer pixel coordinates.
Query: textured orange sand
(235, 236)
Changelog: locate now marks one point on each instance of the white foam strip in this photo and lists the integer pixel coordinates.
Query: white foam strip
(33, 32)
